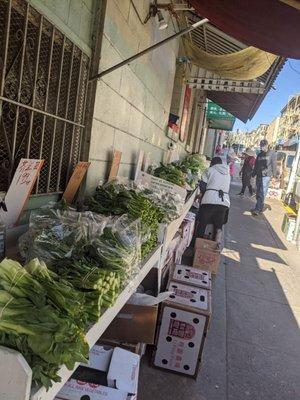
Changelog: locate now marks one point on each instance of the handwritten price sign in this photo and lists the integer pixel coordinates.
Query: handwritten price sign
(20, 189)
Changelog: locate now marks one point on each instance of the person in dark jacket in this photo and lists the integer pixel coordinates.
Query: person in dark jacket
(246, 171)
(264, 169)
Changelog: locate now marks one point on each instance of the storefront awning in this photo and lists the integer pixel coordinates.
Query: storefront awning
(246, 64)
(270, 25)
(218, 118)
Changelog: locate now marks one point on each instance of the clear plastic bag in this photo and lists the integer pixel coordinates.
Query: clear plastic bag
(56, 234)
(119, 247)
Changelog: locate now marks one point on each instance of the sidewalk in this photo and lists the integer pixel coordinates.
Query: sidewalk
(253, 347)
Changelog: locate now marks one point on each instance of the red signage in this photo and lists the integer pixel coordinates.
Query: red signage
(185, 113)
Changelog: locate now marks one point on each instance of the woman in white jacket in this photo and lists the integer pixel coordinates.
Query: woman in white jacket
(215, 201)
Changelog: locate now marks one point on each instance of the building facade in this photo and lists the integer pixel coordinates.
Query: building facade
(51, 108)
(273, 131)
(289, 125)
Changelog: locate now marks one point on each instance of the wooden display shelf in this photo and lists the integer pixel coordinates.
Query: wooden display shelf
(15, 383)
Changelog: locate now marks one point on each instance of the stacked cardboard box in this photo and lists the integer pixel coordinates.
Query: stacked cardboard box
(184, 321)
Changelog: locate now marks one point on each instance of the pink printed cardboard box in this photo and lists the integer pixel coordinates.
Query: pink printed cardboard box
(183, 323)
(191, 276)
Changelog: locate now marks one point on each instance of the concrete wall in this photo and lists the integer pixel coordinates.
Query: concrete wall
(72, 17)
(210, 143)
(132, 103)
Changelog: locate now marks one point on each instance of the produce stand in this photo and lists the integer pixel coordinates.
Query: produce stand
(52, 234)
(12, 358)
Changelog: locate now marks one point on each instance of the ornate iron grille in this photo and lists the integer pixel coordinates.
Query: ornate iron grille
(43, 82)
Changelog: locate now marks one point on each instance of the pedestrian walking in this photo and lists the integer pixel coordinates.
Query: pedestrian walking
(231, 156)
(218, 150)
(246, 171)
(215, 201)
(264, 169)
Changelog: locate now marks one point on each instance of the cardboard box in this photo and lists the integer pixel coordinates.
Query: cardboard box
(121, 376)
(191, 276)
(78, 390)
(180, 340)
(171, 250)
(207, 256)
(100, 357)
(194, 298)
(133, 324)
(165, 274)
(123, 372)
(191, 217)
(180, 250)
(133, 347)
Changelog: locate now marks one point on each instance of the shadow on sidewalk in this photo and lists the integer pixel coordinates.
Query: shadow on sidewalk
(263, 306)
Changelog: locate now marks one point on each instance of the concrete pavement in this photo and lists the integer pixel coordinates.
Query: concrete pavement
(253, 347)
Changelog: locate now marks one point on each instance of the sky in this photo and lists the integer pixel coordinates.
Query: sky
(286, 84)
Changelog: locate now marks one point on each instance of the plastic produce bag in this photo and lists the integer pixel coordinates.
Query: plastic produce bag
(56, 234)
(119, 247)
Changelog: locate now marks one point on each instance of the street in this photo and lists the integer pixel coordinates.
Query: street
(253, 346)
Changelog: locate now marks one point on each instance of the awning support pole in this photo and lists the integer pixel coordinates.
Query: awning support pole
(148, 49)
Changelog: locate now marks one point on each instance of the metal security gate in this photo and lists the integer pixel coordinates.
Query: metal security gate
(43, 82)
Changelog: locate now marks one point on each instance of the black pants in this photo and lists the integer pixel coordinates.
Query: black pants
(246, 181)
(217, 215)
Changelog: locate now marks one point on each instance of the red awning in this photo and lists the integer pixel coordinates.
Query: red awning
(270, 25)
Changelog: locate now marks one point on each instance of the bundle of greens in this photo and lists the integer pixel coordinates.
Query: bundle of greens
(169, 204)
(171, 173)
(61, 294)
(85, 255)
(93, 283)
(32, 320)
(193, 163)
(116, 199)
(59, 235)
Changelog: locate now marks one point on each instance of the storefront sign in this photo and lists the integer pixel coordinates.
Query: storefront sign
(218, 118)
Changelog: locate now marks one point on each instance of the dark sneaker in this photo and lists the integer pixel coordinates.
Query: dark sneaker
(255, 213)
(240, 194)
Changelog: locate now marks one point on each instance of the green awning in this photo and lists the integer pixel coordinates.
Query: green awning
(218, 118)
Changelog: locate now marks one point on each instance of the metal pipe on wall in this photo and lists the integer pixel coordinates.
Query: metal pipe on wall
(148, 49)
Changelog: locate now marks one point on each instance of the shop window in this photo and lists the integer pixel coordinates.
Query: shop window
(43, 80)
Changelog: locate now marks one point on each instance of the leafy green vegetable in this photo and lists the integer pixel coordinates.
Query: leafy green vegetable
(171, 173)
(39, 327)
(116, 199)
